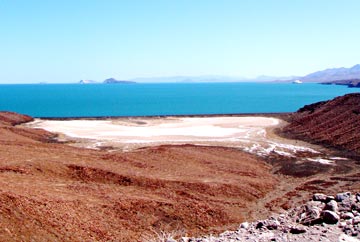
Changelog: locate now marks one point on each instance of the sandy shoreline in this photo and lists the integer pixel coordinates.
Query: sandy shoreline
(253, 134)
(155, 130)
(281, 114)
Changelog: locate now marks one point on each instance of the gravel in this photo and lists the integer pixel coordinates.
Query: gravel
(323, 218)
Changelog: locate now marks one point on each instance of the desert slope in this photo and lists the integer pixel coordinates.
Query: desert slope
(332, 123)
(55, 192)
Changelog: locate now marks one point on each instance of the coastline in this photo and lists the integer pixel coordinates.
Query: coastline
(255, 134)
(275, 114)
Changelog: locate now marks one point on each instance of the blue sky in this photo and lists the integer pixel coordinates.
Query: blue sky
(65, 41)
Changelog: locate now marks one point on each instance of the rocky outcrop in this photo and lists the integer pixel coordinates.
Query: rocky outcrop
(347, 82)
(334, 123)
(12, 118)
(323, 218)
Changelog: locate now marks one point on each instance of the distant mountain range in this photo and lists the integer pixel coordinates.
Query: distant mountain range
(334, 74)
(114, 81)
(190, 79)
(341, 76)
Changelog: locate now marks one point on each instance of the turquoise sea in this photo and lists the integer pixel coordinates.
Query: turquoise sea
(97, 100)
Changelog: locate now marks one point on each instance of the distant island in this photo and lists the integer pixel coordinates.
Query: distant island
(107, 81)
(87, 82)
(114, 81)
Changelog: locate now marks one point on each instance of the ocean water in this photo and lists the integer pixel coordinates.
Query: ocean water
(97, 100)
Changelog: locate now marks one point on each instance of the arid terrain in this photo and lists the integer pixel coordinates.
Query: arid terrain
(54, 191)
(335, 123)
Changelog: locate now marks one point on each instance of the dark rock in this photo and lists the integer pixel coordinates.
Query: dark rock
(260, 224)
(272, 224)
(357, 197)
(329, 198)
(330, 217)
(297, 230)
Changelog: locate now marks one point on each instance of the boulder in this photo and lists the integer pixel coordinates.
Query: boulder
(329, 198)
(319, 197)
(310, 216)
(329, 217)
(332, 206)
(260, 224)
(244, 225)
(342, 196)
(297, 229)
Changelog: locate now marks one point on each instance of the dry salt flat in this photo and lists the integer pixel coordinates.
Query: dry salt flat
(252, 134)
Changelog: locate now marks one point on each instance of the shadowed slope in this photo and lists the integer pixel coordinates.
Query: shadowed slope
(333, 123)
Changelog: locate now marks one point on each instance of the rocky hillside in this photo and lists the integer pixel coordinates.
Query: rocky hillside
(334, 123)
(11, 118)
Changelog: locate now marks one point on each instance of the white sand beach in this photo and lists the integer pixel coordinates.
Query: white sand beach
(252, 134)
(161, 129)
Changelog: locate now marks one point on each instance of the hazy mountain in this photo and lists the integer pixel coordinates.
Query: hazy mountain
(264, 78)
(114, 81)
(208, 79)
(193, 79)
(333, 74)
(187, 79)
(328, 75)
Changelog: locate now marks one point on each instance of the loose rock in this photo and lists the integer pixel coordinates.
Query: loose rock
(322, 219)
(330, 217)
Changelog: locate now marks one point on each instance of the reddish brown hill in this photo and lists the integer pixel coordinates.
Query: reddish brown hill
(333, 123)
(55, 192)
(14, 118)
